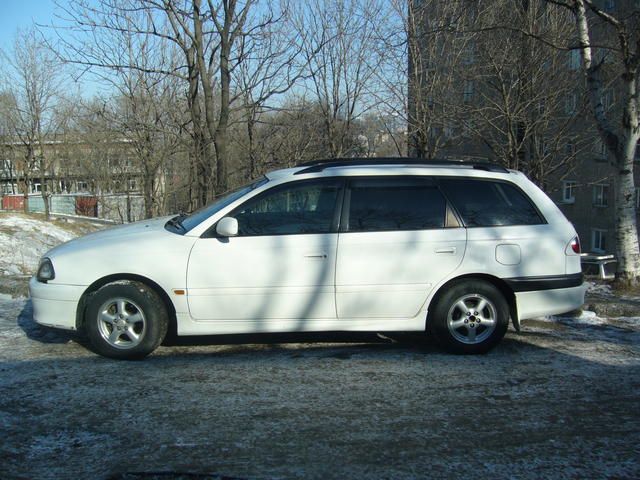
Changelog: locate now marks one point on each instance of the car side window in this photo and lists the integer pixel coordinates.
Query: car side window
(486, 203)
(293, 208)
(394, 204)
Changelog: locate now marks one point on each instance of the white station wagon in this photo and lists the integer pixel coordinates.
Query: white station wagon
(455, 249)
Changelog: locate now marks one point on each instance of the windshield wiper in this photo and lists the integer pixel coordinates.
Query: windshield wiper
(177, 221)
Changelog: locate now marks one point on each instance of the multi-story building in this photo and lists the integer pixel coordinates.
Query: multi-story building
(509, 99)
(69, 167)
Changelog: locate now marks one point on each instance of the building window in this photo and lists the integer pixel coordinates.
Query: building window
(598, 240)
(569, 191)
(609, 5)
(133, 185)
(469, 54)
(574, 59)
(36, 188)
(600, 149)
(8, 188)
(468, 128)
(542, 106)
(570, 149)
(608, 99)
(545, 147)
(600, 195)
(570, 104)
(82, 186)
(467, 93)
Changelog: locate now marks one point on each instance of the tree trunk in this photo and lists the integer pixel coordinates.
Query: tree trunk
(221, 134)
(250, 136)
(147, 191)
(209, 102)
(626, 226)
(622, 146)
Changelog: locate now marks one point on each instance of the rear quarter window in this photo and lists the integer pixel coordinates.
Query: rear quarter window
(487, 203)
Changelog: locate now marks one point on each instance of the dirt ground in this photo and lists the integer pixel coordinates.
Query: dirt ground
(558, 400)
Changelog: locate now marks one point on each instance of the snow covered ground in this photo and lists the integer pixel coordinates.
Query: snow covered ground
(558, 400)
(25, 238)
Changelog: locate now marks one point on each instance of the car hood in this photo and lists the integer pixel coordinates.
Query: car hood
(129, 233)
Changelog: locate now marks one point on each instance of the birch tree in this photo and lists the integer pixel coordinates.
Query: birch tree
(618, 35)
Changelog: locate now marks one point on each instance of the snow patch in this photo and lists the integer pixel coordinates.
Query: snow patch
(24, 240)
(599, 289)
(586, 317)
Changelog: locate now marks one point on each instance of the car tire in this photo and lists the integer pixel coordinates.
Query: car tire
(126, 320)
(470, 317)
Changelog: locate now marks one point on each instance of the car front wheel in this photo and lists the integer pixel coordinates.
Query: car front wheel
(126, 320)
(471, 316)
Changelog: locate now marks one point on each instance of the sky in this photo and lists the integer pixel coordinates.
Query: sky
(16, 14)
(21, 14)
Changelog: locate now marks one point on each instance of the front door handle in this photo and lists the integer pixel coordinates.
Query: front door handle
(315, 255)
(450, 250)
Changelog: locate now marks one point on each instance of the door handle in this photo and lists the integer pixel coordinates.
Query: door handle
(315, 255)
(451, 250)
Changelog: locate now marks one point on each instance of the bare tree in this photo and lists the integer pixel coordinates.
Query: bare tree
(609, 44)
(210, 34)
(267, 69)
(524, 106)
(7, 150)
(621, 140)
(337, 38)
(212, 52)
(34, 83)
(439, 47)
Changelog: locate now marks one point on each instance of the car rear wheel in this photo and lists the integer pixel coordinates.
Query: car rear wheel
(471, 316)
(126, 320)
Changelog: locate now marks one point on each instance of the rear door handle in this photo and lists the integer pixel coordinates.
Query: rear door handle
(315, 255)
(451, 250)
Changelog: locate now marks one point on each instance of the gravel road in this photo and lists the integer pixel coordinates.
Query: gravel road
(559, 400)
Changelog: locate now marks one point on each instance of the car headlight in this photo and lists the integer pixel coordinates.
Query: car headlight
(45, 271)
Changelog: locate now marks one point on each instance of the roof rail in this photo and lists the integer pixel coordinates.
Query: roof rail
(320, 165)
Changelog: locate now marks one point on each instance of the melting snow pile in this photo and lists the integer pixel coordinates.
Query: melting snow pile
(603, 289)
(23, 240)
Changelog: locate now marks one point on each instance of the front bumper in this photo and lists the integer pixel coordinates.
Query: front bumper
(549, 302)
(55, 305)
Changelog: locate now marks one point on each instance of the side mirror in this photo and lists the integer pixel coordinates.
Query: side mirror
(227, 227)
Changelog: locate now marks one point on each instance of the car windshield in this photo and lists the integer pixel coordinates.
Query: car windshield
(198, 216)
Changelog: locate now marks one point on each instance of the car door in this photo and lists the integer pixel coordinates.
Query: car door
(279, 271)
(398, 239)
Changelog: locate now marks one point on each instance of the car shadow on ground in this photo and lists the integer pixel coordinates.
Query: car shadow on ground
(40, 333)
(245, 342)
(334, 344)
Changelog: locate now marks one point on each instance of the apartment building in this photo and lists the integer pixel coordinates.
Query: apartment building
(512, 100)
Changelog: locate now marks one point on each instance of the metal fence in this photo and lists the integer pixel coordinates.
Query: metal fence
(118, 208)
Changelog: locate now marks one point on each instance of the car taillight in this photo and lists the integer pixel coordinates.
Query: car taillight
(575, 245)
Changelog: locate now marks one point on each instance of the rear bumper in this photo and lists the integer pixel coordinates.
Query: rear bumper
(538, 303)
(553, 282)
(55, 305)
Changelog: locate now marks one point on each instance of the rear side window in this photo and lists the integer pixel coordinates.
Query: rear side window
(485, 203)
(394, 204)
